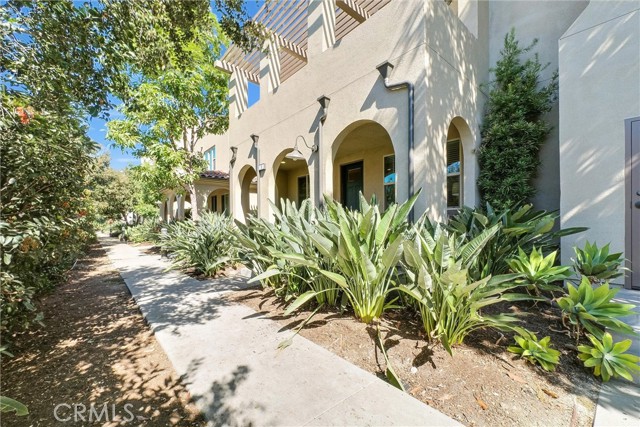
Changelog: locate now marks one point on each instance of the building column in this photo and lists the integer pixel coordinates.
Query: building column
(321, 24)
(238, 93)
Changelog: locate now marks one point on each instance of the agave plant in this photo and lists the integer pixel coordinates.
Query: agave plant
(539, 271)
(450, 299)
(609, 359)
(520, 227)
(593, 309)
(597, 263)
(534, 351)
(363, 248)
(208, 245)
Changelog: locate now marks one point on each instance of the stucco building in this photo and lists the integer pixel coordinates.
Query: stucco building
(386, 97)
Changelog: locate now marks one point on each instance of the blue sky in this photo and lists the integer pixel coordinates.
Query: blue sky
(119, 159)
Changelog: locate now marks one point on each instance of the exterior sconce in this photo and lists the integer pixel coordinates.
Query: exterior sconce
(262, 167)
(255, 138)
(296, 154)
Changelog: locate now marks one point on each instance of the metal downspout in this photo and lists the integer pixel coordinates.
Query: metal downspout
(385, 69)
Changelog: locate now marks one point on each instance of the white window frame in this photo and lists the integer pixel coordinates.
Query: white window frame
(384, 185)
(453, 209)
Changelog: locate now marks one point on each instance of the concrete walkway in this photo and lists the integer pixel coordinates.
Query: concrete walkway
(619, 400)
(227, 354)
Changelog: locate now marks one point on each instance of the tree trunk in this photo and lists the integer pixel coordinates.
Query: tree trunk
(194, 201)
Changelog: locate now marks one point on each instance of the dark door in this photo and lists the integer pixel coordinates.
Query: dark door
(633, 185)
(352, 181)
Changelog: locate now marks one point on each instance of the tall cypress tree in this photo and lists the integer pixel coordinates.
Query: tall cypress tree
(513, 130)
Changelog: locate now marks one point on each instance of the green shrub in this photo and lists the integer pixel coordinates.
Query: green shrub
(534, 351)
(539, 271)
(260, 240)
(438, 265)
(148, 231)
(45, 210)
(513, 129)
(519, 228)
(609, 359)
(594, 310)
(597, 264)
(362, 249)
(208, 245)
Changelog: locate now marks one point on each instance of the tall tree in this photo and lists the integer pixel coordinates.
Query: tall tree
(167, 114)
(514, 128)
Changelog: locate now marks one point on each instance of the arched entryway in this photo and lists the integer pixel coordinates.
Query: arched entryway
(218, 201)
(364, 161)
(460, 189)
(291, 178)
(248, 179)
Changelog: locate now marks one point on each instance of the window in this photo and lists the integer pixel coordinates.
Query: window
(303, 188)
(389, 181)
(224, 201)
(214, 203)
(210, 158)
(454, 174)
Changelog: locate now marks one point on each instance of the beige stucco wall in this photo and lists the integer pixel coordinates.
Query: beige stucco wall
(432, 48)
(599, 89)
(446, 55)
(545, 20)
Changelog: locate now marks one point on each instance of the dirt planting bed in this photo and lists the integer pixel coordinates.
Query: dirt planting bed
(94, 350)
(482, 385)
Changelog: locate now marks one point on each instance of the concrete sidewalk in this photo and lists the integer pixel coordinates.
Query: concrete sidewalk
(228, 357)
(619, 400)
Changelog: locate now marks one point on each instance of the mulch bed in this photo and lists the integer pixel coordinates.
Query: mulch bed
(95, 349)
(482, 384)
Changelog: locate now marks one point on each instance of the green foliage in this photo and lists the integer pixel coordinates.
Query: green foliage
(597, 264)
(519, 228)
(534, 351)
(46, 216)
(609, 359)
(438, 266)
(539, 271)
(147, 231)
(207, 245)
(77, 53)
(513, 129)
(594, 310)
(11, 405)
(168, 113)
(236, 23)
(365, 246)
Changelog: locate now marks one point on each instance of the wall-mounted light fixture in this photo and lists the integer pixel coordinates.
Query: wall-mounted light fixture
(262, 167)
(255, 138)
(296, 154)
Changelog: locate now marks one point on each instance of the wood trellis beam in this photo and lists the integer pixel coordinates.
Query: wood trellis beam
(351, 8)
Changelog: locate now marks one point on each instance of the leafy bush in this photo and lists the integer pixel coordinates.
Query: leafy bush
(534, 351)
(594, 310)
(597, 264)
(364, 247)
(438, 265)
(519, 228)
(513, 128)
(539, 271)
(45, 211)
(148, 231)
(609, 359)
(260, 240)
(208, 245)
